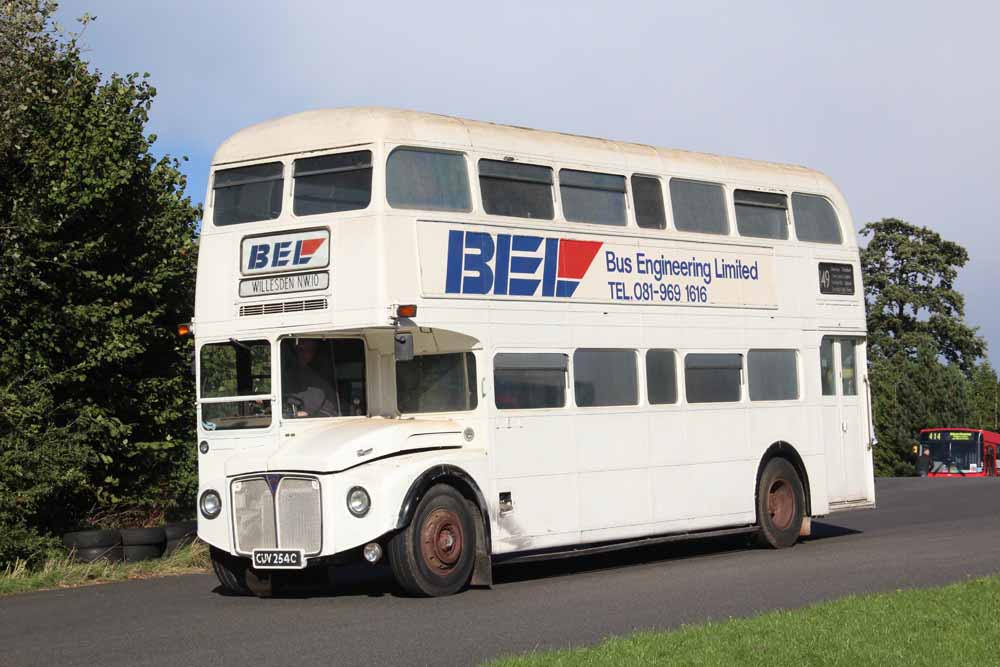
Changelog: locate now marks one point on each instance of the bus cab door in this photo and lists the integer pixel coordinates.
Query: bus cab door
(845, 421)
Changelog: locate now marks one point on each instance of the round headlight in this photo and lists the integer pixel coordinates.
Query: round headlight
(210, 504)
(358, 501)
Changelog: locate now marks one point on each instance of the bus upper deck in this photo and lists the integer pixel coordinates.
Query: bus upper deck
(416, 208)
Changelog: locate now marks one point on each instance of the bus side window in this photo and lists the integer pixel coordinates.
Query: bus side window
(518, 190)
(773, 375)
(589, 196)
(815, 219)
(847, 367)
(529, 380)
(647, 196)
(698, 206)
(827, 370)
(713, 378)
(761, 214)
(661, 376)
(605, 377)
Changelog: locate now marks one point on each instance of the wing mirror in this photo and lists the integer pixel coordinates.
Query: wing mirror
(403, 346)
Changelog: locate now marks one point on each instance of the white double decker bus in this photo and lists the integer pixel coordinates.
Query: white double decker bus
(451, 344)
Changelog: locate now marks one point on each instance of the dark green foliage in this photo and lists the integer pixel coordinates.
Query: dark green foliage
(922, 355)
(97, 265)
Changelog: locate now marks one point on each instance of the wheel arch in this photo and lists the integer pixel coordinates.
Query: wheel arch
(784, 450)
(464, 483)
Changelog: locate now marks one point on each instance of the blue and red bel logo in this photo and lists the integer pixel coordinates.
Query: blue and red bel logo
(282, 253)
(510, 264)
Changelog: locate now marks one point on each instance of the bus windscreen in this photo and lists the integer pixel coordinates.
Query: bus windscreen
(952, 451)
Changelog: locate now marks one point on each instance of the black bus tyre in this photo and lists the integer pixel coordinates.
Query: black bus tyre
(435, 554)
(92, 539)
(780, 505)
(231, 571)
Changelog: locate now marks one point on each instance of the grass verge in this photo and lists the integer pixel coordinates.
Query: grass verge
(62, 572)
(957, 624)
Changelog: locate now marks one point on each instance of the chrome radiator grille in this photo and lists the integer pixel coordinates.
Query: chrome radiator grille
(288, 518)
(299, 514)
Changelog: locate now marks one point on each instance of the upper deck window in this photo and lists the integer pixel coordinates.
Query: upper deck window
(589, 196)
(761, 214)
(698, 206)
(427, 179)
(647, 195)
(332, 183)
(248, 194)
(518, 190)
(815, 219)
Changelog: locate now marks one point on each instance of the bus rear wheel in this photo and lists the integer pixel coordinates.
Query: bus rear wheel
(780, 505)
(434, 555)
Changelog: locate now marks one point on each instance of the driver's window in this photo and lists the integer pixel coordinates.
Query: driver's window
(322, 377)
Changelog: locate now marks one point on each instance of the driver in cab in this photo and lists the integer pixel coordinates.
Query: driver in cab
(306, 392)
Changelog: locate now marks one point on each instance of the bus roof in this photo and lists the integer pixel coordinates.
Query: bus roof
(332, 128)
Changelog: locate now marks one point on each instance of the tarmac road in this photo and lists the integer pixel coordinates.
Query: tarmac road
(925, 532)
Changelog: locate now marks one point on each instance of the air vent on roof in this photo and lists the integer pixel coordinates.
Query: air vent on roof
(282, 307)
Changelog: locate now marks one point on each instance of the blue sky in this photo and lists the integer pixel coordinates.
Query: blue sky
(896, 101)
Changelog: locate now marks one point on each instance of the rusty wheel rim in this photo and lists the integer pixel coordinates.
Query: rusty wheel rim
(781, 504)
(442, 541)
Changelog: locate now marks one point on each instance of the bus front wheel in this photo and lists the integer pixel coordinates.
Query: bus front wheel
(434, 555)
(780, 505)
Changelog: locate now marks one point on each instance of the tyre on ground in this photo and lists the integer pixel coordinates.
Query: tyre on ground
(179, 534)
(435, 554)
(780, 505)
(231, 571)
(113, 554)
(141, 544)
(92, 539)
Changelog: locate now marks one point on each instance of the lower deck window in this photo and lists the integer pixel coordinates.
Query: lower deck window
(235, 370)
(713, 378)
(322, 377)
(436, 383)
(605, 377)
(530, 380)
(773, 375)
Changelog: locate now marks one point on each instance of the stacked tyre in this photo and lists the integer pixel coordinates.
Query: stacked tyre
(179, 535)
(90, 546)
(130, 544)
(141, 544)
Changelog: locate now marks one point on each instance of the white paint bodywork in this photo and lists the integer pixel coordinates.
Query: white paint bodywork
(575, 475)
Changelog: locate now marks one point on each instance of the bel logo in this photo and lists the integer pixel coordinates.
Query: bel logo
(516, 265)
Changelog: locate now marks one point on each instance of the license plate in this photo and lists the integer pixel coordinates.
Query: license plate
(278, 559)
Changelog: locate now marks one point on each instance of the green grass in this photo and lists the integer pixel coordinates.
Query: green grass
(62, 572)
(953, 625)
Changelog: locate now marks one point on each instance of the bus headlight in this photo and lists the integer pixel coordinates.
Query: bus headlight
(210, 504)
(358, 501)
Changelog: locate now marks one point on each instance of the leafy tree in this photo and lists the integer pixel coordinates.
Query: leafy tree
(910, 393)
(985, 398)
(909, 275)
(922, 354)
(97, 252)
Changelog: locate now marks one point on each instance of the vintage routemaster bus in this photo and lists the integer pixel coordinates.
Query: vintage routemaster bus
(451, 344)
(958, 452)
